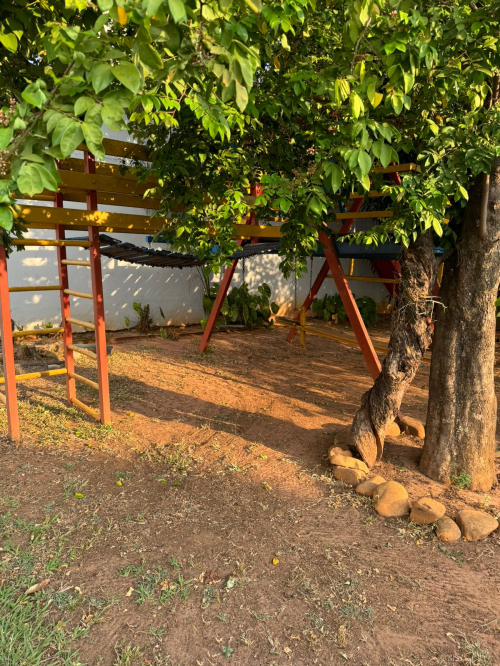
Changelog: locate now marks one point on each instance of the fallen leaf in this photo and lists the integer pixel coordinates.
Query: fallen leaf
(275, 560)
(129, 593)
(38, 586)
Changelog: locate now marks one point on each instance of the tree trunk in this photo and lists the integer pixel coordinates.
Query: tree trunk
(411, 334)
(462, 409)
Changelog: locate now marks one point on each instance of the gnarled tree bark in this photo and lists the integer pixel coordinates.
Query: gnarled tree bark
(411, 334)
(462, 409)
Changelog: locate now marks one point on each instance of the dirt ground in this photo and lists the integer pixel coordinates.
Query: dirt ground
(204, 527)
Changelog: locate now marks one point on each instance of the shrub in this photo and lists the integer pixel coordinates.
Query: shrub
(241, 307)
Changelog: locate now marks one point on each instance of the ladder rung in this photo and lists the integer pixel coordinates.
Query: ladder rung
(36, 375)
(3, 398)
(366, 278)
(75, 262)
(36, 331)
(84, 352)
(52, 287)
(88, 410)
(84, 380)
(41, 242)
(80, 294)
(83, 324)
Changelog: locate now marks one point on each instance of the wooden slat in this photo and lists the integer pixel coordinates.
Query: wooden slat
(88, 410)
(83, 324)
(37, 375)
(82, 351)
(78, 294)
(52, 287)
(94, 181)
(365, 215)
(84, 380)
(75, 262)
(42, 242)
(367, 278)
(122, 149)
(40, 217)
(397, 168)
(36, 331)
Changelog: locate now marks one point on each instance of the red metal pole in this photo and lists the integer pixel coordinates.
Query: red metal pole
(346, 225)
(98, 301)
(358, 326)
(9, 367)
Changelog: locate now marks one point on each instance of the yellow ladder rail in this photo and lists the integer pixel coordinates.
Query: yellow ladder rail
(83, 324)
(37, 375)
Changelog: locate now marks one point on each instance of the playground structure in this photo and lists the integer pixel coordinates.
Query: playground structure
(100, 183)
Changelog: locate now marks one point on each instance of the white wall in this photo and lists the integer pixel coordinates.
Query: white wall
(177, 291)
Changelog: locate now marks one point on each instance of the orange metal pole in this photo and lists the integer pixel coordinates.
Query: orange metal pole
(9, 369)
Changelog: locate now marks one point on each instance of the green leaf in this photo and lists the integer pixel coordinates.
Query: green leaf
(437, 227)
(409, 80)
(357, 106)
(153, 7)
(336, 175)
(172, 37)
(93, 139)
(128, 75)
(365, 162)
(177, 10)
(62, 123)
(112, 116)
(9, 40)
(241, 96)
(255, 5)
(102, 77)
(397, 104)
(365, 182)
(29, 181)
(82, 105)
(120, 96)
(150, 57)
(34, 96)
(104, 5)
(6, 218)
(71, 138)
(6, 134)
(385, 155)
(48, 180)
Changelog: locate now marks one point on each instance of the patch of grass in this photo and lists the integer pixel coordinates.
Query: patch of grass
(28, 635)
(123, 476)
(126, 655)
(455, 555)
(73, 485)
(460, 481)
(180, 459)
(355, 611)
(157, 585)
(472, 654)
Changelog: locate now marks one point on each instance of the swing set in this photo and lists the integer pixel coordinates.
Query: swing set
(100, 184)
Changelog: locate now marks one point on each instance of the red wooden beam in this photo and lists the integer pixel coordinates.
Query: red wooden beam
(9, 368)
(65, 309)
(98, 301)
(347, 224)
(355, 319)
(100, 325)
(226, 283)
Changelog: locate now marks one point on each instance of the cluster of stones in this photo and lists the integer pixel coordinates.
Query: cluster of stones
(390, 499)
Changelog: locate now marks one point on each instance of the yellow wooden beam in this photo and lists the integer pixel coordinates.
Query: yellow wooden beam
(367, 278)
(51, 287)
(80, 322)
(84, 380)
(93, 181)
(36, 331)
(123, 149)
(85, 408)
(365, 215)
(37, 375)
(397, 168)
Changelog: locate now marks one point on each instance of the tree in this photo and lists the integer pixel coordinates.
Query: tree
(306, 98)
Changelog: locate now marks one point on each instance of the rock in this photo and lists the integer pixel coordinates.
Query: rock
(393, 430)
(367, 487)
(351, 477)
(343, 439)
(390, 499)
(412, 426)
(475, 525)
(447, 530)
(53, 366)
(426, 510)
(348, 461)
(337, 451)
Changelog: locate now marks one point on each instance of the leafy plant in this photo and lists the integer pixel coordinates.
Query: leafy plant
(330, 307)
(460, 481)
(145, 322)
(242, 307)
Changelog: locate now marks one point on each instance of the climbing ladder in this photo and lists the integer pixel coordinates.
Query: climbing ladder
(10, 378)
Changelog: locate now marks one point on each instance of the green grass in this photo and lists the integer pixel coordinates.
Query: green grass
(29, 636)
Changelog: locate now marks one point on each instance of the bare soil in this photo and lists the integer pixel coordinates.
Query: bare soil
(205, 527)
